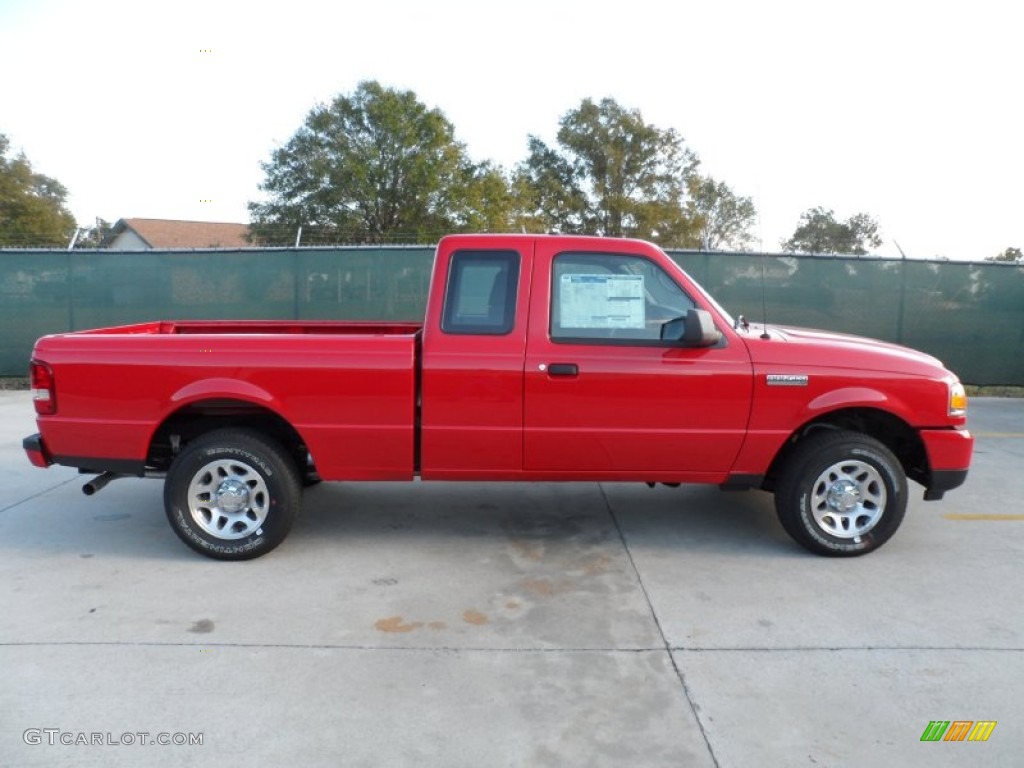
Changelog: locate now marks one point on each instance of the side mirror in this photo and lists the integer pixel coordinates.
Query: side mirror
(697, 329)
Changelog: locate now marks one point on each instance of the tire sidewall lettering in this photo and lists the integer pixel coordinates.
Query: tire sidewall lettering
(258, 462)
(215, 545)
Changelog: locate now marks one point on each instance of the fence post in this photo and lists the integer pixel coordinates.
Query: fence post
(295, 283)
(71, 292)
(903, 300)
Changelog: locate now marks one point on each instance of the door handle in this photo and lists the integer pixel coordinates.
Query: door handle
(563, 369)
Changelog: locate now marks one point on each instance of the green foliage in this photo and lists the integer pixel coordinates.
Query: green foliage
(484, 201)
(373, 166)
(32, 206)
(92, 237)
(553, 201)
(1010, 254)
(611, 174)
(725, 219)
(819, 232)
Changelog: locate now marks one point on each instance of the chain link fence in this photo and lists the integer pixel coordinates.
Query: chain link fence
(969, 315)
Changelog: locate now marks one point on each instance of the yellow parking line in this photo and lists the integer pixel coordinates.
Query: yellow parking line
(999, 434)
(960, 516)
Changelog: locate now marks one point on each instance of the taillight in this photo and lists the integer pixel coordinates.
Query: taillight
(44, 390)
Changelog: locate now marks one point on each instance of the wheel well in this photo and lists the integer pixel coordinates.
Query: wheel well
(898, 436)
(196, 419)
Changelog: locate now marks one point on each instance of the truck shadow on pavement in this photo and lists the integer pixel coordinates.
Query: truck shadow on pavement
(128, 520)
(687, 519)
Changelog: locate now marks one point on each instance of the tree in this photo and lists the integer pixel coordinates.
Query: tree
(93, 237)
(485, 201)
(611, 174)
(819, 232)
(553, 200)
(32, 206)
(371, 166)
(1010, 254)
(724, 218)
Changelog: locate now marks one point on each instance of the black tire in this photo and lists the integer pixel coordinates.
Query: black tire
(841, 494)
(232, 494)
(307, 470)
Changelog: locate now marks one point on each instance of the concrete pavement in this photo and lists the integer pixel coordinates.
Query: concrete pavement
(508, 625)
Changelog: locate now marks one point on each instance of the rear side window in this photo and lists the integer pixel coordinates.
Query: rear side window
(480, 298)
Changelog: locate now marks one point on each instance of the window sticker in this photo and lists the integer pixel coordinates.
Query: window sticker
(602, 301)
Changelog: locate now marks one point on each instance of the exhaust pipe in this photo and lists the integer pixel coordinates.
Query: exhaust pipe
(99, 482)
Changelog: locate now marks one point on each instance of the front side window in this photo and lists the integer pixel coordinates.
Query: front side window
(481, 295)
(606, 296)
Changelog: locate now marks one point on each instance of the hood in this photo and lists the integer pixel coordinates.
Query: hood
(807, 347)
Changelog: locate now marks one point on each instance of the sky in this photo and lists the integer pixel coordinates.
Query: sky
(907, 110)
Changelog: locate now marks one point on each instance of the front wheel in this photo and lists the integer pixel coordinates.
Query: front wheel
(232, 494)
(841, 494)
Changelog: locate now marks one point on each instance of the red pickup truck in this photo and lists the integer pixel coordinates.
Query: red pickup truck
(541, 358)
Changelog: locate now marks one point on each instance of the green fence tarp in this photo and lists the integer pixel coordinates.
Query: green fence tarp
(969, 315)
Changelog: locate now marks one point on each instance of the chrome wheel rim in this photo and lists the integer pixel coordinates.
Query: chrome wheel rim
(228, 499)
(848, 499)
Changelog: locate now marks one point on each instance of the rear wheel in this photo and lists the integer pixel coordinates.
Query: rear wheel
(232, 494)
(841, 494)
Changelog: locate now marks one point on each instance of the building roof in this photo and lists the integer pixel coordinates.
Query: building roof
(168, 233)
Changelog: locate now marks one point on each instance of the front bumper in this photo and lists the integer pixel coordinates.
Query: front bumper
(949, 457)
(943, 480)
(36, 450)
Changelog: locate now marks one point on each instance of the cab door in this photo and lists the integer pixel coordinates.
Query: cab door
(604, 396)
(474, 342)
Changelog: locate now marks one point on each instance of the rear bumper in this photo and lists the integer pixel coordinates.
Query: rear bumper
(39, 454)
(949, 457)
(36, 450)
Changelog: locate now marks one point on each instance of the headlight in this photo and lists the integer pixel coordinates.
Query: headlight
(957, 399)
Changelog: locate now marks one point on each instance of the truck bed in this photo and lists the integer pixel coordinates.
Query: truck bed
(347, 388)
